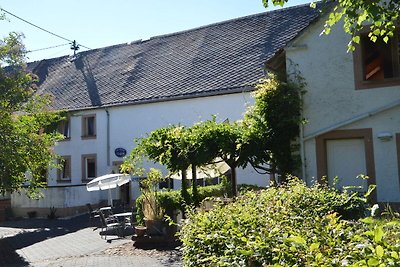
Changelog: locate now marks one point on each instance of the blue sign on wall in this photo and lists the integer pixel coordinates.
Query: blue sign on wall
(120, 152)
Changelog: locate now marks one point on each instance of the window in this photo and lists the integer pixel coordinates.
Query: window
(167, 183)
(64, 173)
(64, 128)
(207, 181)
(89, 167)
(377, 63)
(89, 126)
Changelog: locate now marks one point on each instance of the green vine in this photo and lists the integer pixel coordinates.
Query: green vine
(274, 122)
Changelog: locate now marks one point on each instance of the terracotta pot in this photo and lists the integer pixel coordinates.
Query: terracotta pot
(140, 230)
(154, 227)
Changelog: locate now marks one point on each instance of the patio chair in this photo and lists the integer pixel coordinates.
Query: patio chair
(109, 224)
(93, 213)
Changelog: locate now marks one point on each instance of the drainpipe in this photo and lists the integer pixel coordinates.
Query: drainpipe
(302, 153)
(302, 142)
(108, 138)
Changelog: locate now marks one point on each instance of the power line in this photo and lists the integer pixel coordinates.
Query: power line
(40, 28)
(50, 47)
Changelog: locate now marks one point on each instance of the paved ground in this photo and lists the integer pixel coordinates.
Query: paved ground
(72, 242)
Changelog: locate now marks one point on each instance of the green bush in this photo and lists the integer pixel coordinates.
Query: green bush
(291, 225)
(242, 188)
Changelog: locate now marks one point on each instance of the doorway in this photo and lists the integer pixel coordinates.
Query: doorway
(124, 190)
(346, 154)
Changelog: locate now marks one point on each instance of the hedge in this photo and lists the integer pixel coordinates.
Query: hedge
(292, 225)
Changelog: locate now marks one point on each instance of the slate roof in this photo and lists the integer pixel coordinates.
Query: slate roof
(220, 58)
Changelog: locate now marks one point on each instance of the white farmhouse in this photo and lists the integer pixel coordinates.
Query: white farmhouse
(116, 94)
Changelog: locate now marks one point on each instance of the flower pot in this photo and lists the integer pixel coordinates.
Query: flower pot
(140, 230)
(154, 227)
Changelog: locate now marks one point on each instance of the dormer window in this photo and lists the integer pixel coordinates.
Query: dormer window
(377, 63)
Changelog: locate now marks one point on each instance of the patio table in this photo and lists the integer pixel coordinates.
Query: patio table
(122, 220)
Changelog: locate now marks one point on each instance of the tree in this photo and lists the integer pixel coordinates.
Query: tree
(165, 146)
(382, 16)
(271, 126)
(264, 138)
(25, 148)
(214, 140)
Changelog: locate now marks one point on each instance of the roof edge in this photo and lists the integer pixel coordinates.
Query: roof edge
(218, 92)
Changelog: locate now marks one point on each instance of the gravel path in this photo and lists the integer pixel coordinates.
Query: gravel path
(168, 257)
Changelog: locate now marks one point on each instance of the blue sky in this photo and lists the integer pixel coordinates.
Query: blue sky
(100, 23)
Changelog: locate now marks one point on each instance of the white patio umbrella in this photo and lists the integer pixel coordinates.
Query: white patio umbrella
(212, 170)
(108, 181)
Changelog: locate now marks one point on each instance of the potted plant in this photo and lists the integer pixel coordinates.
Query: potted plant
(140, 230)
(152, 210)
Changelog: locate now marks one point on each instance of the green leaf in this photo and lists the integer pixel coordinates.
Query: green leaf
(314, 247)
(377, 31)
(379, 251)
(246, 252)
(356, 39)
(368, 220)
(373, 262)
(371, 188)
(378, 234)
(297, 240)
(385, 39)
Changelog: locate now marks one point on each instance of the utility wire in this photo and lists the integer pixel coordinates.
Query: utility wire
(5, 11)
(50, 47)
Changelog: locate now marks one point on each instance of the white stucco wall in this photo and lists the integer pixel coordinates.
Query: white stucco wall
(385, 153)
(126, 124)
(332, 102)
(139, 120)
(328, 69)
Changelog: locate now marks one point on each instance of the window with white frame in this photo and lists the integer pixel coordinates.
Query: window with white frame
(89, 166)
(89, 126)
(64, 172)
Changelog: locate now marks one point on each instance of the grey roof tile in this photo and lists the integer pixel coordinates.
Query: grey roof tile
(214, 59)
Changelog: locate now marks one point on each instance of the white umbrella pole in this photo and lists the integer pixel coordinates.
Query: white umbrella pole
(109, 197)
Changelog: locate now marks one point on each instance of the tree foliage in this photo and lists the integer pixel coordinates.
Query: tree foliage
(272, 124)
(262, 139)
(382, 16)
(25, 149)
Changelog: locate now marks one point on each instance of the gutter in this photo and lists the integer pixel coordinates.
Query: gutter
(351, 120)
(218, 92)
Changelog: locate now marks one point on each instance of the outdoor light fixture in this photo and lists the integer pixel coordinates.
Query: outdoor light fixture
(385, 136)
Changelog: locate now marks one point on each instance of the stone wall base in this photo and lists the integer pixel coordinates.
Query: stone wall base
(4, 204)
(44, 212)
